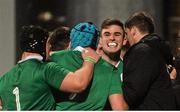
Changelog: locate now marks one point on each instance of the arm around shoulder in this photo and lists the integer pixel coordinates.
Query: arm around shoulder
(79, 80)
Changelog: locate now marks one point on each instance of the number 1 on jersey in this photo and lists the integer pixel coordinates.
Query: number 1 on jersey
(16, 93)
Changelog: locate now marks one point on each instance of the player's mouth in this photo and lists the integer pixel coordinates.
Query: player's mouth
(112, 44)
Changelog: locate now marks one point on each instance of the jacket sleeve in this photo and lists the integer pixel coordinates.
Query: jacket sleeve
(140, 69)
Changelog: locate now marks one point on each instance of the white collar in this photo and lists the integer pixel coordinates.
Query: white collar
(121, 58)
(78, 48)
(117, 64)
(40, 58)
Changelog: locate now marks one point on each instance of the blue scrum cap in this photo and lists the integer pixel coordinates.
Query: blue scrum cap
(85, 35)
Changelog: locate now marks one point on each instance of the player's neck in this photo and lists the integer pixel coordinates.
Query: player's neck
(109, 60)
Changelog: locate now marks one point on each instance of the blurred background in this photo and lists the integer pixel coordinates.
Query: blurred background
(52, 13)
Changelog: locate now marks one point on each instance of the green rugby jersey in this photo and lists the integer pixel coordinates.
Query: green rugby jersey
(106, 81)
(27, 85)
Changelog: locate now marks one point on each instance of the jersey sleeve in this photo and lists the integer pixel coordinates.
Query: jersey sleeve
(55, 74)
(116, 83)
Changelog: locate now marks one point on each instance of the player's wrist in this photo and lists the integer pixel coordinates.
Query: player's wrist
(90, 60)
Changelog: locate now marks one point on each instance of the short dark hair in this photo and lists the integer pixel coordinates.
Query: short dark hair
(111, 21)
(59, 39)
(142, 21)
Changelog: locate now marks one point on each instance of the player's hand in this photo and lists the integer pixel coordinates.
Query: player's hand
(89, 53)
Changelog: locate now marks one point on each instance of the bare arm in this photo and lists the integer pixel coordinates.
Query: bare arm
(0, 104)
(117, 102)
(79, 80)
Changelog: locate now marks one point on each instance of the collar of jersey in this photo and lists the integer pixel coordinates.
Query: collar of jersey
(78, 48)
(40, 58)
(117, 64)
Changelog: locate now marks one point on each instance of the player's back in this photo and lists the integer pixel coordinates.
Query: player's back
(24, 87)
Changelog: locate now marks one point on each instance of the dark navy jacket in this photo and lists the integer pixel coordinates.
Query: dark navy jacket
(146, 82)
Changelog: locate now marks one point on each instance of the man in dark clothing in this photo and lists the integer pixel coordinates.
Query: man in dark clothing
(146, 82)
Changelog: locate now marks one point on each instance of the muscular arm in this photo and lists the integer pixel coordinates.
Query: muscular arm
(117, 102)
(79, 80)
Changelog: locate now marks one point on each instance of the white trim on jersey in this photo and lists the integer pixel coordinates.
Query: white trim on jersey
(40, 58)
